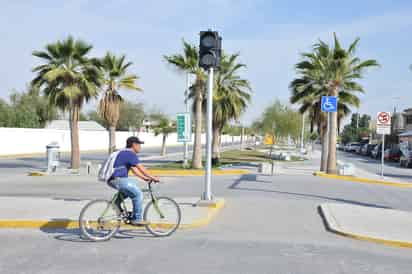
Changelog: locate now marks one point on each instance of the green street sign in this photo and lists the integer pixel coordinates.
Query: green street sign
(184, 127)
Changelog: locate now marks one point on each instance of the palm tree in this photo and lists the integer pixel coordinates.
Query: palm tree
(189, 62)
(164, 128)
(331, 71)
(230, 98)
(115, 78)
(69, 79)
(341, 70)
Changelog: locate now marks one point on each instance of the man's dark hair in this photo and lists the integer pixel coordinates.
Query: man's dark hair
(133, 140)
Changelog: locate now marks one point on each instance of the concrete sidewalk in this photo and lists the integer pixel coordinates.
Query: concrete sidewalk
(25, 212)
(381, 225)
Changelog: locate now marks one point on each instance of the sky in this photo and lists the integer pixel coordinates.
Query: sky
(269, 35)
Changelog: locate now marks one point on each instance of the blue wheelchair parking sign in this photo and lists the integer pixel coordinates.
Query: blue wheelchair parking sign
(329, 104)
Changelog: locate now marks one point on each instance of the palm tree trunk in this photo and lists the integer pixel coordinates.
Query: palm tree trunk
(323, 140)
(74, 136)
(333, 125)
(112, 138)
(163, 152)
(197, 146)
(216, 146)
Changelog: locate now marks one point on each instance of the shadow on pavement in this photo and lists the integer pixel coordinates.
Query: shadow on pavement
(409, 177)
(253, 178)
(73, 235)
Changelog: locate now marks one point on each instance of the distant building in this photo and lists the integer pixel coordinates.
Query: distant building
(83, 125)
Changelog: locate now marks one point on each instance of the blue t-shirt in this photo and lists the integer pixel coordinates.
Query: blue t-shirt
(125, 159)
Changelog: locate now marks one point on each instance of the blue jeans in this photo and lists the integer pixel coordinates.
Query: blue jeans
(129, 187)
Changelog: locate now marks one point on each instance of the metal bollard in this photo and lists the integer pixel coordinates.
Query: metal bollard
(53, 156)
(88, 167)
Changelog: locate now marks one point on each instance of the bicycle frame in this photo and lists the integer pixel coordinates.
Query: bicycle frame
(122, 197)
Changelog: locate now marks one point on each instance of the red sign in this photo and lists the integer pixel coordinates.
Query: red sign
(384, 119)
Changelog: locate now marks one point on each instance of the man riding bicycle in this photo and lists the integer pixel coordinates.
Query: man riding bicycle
(127, 160)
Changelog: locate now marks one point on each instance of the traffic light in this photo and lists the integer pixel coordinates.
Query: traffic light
(210, 49)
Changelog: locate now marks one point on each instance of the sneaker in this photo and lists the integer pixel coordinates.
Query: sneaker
(139, 222)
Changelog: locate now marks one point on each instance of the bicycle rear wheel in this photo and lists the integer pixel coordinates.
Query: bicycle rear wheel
(163, 215)
(99, 220)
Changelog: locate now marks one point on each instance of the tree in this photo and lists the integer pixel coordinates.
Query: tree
(330, 71)
(230, 99)
(5, 113)
(281, 121)
(357, 129)
(131, 116)
(68, 78)
(341, 70)
(94, 115)
(188, 62)
(163, 127)
(26, 110)
(115, 78)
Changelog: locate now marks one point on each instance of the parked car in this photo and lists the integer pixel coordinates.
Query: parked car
(358, 149)
(367, 149)
(353, 147)
(406, 152)
(392, 154)
(377, 151)
(405, 160)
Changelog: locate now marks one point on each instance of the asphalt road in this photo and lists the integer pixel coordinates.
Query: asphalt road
(391, 169)
(269, 225)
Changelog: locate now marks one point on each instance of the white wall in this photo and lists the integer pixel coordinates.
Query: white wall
(27, 140)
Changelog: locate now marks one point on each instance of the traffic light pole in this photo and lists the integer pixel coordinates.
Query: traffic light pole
(207, 194)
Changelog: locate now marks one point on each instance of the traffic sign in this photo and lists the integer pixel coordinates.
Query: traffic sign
(383, 123)
(184, 127)
(329, 104)
(269, 139)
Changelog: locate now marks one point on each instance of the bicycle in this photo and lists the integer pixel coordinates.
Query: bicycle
(163, 215)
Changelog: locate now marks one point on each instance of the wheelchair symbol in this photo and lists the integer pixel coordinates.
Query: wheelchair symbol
(329, 104)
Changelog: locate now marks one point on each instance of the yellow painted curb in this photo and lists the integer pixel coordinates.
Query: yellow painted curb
(340, 232)
(363, 180)
(374, 240)
(46, 224)
(212, 211)
(72, 224)
(37, 173)
(185, 172)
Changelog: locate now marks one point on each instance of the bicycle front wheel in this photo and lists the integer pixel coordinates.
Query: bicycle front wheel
(99, 220)
(163, 216)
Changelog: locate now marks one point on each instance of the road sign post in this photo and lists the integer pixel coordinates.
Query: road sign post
(328, 104)
(383, 127)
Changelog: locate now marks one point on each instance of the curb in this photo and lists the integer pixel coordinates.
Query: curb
(73, 224)
(354, 179)
(333, 226)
